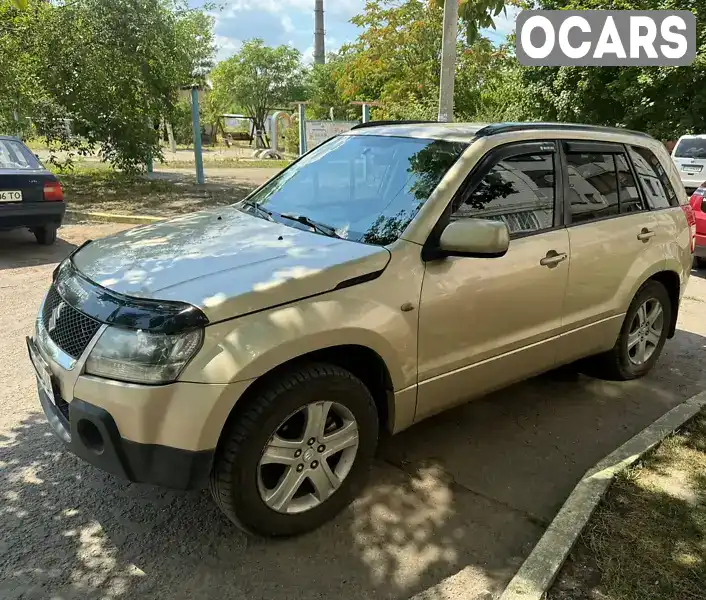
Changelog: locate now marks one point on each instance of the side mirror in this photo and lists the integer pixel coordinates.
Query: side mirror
(475, 237)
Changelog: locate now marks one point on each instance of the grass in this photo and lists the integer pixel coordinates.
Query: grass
(647, 539)
(101, 189)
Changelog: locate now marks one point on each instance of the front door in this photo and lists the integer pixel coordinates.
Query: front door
(487, 322)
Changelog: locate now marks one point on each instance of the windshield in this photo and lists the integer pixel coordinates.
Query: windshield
(691, 148)
(14, 155)
(362, 188)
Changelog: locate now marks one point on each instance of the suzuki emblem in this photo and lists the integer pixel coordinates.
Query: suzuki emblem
(55, 314)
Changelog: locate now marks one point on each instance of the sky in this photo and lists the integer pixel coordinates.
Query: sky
(292, 22)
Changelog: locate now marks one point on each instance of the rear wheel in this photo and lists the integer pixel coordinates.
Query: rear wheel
(641, 338)
(46, 235)
(700, 262)
(298, 454)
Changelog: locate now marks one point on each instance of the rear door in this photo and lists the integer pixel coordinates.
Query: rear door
(614, 239)
(690, 157)
(22, 176)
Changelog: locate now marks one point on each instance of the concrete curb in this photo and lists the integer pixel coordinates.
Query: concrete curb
(113, 218)
(540, 569)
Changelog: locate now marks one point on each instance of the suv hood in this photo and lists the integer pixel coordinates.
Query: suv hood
(225, 262)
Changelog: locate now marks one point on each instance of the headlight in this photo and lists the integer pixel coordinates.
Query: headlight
(141, 356)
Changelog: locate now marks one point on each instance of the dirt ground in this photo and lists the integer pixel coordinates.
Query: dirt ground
(453, 507)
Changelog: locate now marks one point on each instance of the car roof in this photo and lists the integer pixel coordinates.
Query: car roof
(690, 136)
(467, 132)
(11, 138)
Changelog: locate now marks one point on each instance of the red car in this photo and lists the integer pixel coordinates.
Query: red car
(699, 207)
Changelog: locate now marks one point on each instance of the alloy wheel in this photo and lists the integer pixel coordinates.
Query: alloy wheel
(645, 331)
(308, 457)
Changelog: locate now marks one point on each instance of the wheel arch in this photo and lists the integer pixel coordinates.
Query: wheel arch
(671, 281)
(362, 361)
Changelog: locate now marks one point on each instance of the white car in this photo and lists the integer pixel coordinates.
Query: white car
(690, 157)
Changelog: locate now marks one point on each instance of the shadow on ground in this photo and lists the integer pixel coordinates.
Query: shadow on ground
(19, 248)
(646, 539)
(469, 490)
(71, 531)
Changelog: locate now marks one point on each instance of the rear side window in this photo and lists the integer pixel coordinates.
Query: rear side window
(593, 186)
(14, 155)
(656, 187)
(518, 190)
(691, 148)
(600, 185)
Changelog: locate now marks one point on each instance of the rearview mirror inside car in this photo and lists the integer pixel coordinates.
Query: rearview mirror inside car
(475, 237)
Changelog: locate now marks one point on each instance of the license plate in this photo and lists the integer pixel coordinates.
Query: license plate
(11, 196)
(692, 168)
(41, 370)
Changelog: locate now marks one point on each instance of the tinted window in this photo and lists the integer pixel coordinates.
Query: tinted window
(518, 190)
(366, 188)
(629, 196)
(656, 187)
(691, 148)
(593, 186)
(14, 155)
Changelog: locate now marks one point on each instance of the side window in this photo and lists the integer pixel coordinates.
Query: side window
(593, 186)
(518, 190)
(655, 183)
(630, 201)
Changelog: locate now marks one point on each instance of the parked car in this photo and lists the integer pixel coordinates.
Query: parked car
(393, 272)
(699, 208)
(689, 155)
(30, 196)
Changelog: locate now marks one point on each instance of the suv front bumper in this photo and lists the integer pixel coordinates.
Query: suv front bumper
(92, 434)
(164, 435)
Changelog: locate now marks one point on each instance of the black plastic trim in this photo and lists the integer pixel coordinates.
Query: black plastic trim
(107, 306)
(143, 463)
(498, 128)
(383, 123)
(360, 279)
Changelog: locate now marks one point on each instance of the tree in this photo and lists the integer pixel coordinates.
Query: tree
(396, 60)
(259, 79)
(663, 101)
(113, 68)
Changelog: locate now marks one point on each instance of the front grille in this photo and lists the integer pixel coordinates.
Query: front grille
(68, 328)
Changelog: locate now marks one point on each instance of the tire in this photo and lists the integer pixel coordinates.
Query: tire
(237, 481)
(616, 364)
(699, 262)
(45, 235)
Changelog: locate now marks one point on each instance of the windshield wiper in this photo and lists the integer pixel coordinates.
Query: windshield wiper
(259, 210)
(320, 227)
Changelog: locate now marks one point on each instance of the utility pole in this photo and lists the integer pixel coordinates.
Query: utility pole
(319, 33)
(448, 61)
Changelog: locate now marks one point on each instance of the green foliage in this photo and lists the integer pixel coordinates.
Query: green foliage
(259, 79)
(663, 101)
(476, 14)
(396, 61)
(113, 68)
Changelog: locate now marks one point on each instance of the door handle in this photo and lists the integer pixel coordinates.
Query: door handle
(552, 259)
(645, 235)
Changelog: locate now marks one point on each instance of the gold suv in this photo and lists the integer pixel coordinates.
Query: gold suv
(391, 273)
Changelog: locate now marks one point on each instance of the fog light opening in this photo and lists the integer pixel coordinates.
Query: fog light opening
(90, 436)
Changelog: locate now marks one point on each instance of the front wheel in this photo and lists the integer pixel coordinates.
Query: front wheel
(642, 337)
(298, 453)
(700, 262)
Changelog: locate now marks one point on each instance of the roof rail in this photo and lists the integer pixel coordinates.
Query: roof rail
(377, 123)
(498, 128)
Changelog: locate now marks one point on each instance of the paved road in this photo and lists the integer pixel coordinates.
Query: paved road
(454, 504)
